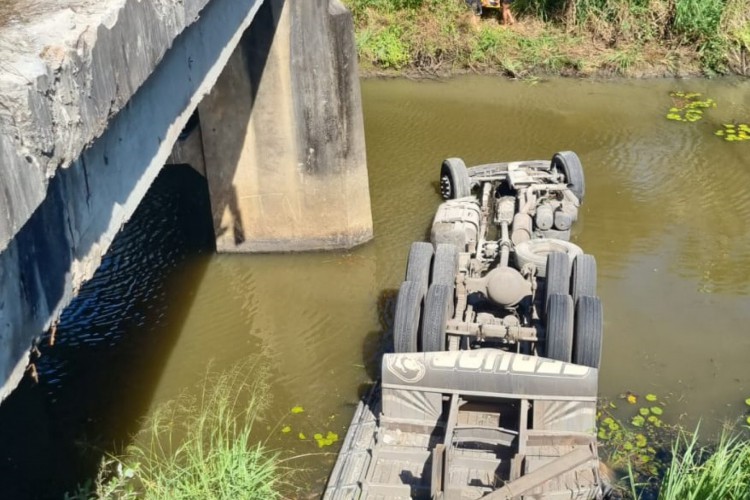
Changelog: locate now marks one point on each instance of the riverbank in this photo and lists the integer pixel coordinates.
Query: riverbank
(632, 38)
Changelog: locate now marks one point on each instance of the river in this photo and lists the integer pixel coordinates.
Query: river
(666, 214)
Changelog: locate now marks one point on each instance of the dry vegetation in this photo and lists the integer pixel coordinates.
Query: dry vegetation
(569, 37)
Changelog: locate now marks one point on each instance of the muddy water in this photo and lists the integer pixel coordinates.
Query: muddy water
(667, 215)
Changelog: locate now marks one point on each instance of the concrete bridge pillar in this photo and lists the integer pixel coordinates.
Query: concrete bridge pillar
(283, 137)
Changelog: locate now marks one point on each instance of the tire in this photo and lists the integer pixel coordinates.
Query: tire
(406, 319)
(419, 263)
(535, 252)
(454, 179)
(560, 328)
(569, 164)
(589, 327)
(557, 274)
(583, 277)
(438, 309)
(445, 264)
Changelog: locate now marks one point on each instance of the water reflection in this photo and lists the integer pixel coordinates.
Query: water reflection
(98, 378)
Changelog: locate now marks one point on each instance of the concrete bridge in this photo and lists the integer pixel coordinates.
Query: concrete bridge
(93, 97)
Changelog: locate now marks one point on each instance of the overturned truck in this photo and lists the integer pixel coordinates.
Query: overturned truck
(491, 390)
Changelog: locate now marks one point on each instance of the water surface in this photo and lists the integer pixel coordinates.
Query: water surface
(666, 214)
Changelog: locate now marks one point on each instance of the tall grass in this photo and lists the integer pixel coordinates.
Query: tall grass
(199, 447)
(721, 472)
(699, 473)
(590, 36)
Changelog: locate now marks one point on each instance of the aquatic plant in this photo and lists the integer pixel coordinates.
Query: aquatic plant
(638, 442)
(688, 107)
(322, 440)
(198, 446)
(732, 132)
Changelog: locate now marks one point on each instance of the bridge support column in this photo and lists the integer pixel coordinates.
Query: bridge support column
(283, 135)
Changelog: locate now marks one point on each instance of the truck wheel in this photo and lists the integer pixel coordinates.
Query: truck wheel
(535, 252)
(454, 179)
(583, 277)
(419, 263)
(445, 264)
(558, 275)
(438, 309)
(406, 319)
(569, 164)
(589, 326)
(560, 327)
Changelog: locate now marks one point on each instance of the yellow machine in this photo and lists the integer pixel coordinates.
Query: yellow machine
(478, 5)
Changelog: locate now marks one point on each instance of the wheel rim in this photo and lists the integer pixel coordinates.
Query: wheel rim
(446, 189)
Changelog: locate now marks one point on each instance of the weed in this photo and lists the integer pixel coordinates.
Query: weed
(707, 473)
(197, 447)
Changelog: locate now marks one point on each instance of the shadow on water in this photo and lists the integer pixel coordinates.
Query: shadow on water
(98, 378)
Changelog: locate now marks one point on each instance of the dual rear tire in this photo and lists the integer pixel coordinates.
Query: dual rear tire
(425, 299)
(574, 319)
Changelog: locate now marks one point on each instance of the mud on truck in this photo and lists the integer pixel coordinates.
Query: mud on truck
(500, 270)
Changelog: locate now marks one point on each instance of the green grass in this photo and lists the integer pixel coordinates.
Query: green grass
(198, 447)
(556, 36)
(721, 472)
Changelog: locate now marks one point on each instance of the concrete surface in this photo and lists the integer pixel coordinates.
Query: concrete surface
(66, 67)
(64, 193)
(286, 169)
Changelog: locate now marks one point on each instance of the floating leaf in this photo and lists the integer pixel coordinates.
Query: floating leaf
(286, 429)
(656, 410)
(612, 405)
(644, 458)
(747, 401)
(628, 446)
(297, 409)
(301, 436)
(655, 421)
(641, 441)
(638, 421)
(747, 420)
(651, 397)
(328, 440)
(643, 411)
(602, 434)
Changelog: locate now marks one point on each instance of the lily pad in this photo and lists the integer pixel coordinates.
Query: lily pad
(641, 441)
(301, 436)
(747, 401)
(643, 411)
(297, 409)
(656, 410)
(638, 421)
(651, 397)
(327, 440)
(286, 429)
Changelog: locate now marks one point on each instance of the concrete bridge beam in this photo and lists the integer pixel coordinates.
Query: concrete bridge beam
(85, 131)
(283, 137)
